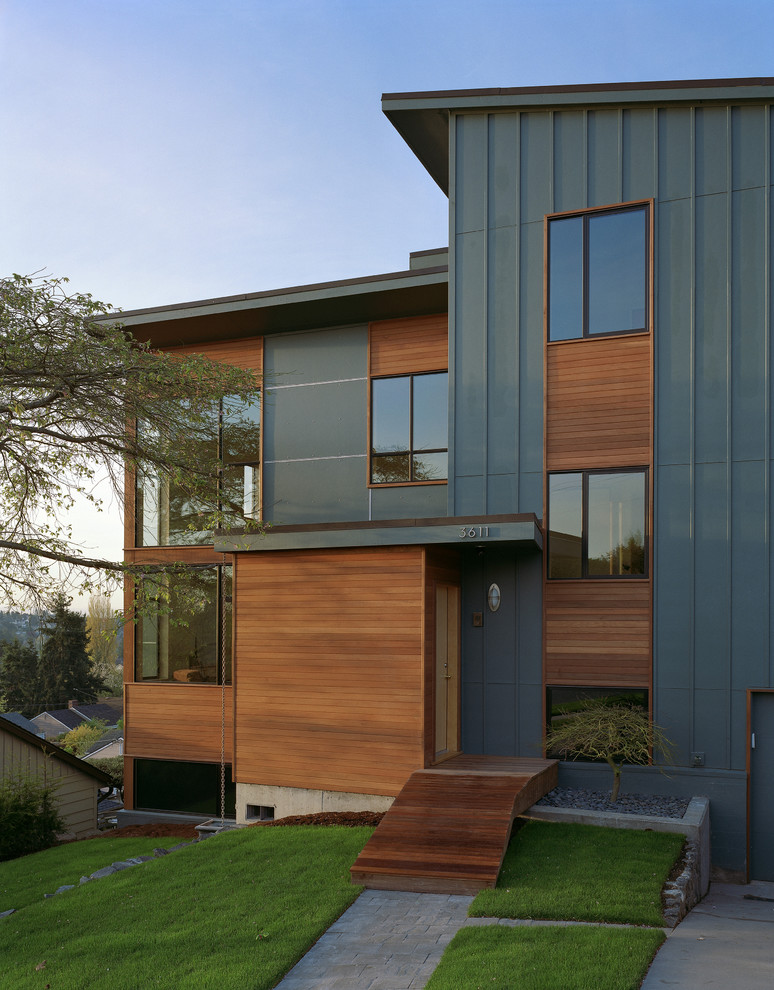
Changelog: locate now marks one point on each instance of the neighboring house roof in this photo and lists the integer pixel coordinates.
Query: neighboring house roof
(110, 738)
(18, 719)
(109, 710)
(54, 751)
(68, 718)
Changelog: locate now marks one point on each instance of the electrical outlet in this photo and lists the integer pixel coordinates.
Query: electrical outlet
(697, 759)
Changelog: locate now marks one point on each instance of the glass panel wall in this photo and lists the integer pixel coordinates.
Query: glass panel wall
(167, 516)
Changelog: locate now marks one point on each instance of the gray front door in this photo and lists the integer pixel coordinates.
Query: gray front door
(761, 785)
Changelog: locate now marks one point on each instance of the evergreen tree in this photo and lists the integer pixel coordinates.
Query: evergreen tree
(65, 670)
(20, 679)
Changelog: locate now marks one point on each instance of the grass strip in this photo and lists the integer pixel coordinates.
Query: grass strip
(493, 957)
(25, 880)
(562, 871)
(235, 911)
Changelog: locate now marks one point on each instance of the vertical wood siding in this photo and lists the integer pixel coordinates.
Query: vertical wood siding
(413, 344)
(329, 659)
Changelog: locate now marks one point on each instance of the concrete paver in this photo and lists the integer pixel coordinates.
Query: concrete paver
(387, 940)
(726, 941)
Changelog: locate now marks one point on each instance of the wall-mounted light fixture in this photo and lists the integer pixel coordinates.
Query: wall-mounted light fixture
(493, 597)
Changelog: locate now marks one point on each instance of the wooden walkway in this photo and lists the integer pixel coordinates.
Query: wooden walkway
(449, 827)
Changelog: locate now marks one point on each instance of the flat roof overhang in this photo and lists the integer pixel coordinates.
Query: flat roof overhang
(520, 532)
(422, 119)
(417, 292)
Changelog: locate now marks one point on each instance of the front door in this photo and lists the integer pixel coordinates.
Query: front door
(761, 785)
(447, 670)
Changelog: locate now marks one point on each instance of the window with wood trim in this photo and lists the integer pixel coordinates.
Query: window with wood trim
(598, 273)
(597, 524)
(184, 642)
(409, 428)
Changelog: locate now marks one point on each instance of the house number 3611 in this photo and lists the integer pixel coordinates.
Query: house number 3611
(474, 532)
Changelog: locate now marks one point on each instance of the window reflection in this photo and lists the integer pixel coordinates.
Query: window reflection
(409, 428)
(188, 650)
(597, 273)
(167, 515)
(597, 524)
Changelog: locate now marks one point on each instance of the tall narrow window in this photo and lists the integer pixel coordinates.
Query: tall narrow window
(598, 273)
(597, 524)
(409, 428)
(167, 516)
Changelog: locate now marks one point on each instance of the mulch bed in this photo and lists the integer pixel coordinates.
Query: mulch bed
(350, 819)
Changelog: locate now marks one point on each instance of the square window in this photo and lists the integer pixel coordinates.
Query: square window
(597, 524)
(409, 428)
(598, 273)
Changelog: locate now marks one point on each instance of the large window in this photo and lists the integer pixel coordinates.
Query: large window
(598, 273)
(597, 524)
(409, 428)
(167, 516)
(185, 788)
(186, 646)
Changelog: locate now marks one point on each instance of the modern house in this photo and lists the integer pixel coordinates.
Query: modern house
(535, 470)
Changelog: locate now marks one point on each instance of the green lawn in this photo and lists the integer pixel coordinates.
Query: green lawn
(559, 871)
(24, 881)
(235, 911)
(546, 958)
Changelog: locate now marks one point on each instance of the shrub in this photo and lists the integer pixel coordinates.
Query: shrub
(615, 733)
(29, 817)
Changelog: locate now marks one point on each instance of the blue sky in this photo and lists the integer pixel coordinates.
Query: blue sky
(157, 151)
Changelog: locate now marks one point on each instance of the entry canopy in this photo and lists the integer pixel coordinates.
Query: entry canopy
(521, 532)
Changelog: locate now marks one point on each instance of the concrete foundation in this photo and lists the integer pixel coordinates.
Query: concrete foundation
(260, 801)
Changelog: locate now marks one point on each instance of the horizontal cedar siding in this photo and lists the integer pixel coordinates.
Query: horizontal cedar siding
(176, 721)
(329, 668)
(598, 403)
(415, 344)
(243, 353)
(598, 633)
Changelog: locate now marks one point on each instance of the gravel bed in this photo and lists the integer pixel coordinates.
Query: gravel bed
(627, 804)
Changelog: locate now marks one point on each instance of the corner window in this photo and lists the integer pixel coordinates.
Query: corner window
(409, 428)
(188, 651)
(165, 515)
(598, 273)
(597, 524)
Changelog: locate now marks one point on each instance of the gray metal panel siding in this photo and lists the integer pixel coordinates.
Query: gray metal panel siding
(709, 171)
(315, 426)
(316, 491)
(411, 502)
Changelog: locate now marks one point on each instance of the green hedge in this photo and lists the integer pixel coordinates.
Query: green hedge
(29, 819)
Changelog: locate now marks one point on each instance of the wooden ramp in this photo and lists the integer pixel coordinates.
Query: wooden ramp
(449, 827)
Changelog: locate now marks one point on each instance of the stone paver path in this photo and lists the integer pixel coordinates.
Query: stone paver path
(387, 940)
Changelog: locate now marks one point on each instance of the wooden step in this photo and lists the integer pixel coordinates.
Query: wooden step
(449, 827)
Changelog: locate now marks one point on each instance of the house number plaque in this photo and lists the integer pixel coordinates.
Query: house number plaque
(474, 533)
